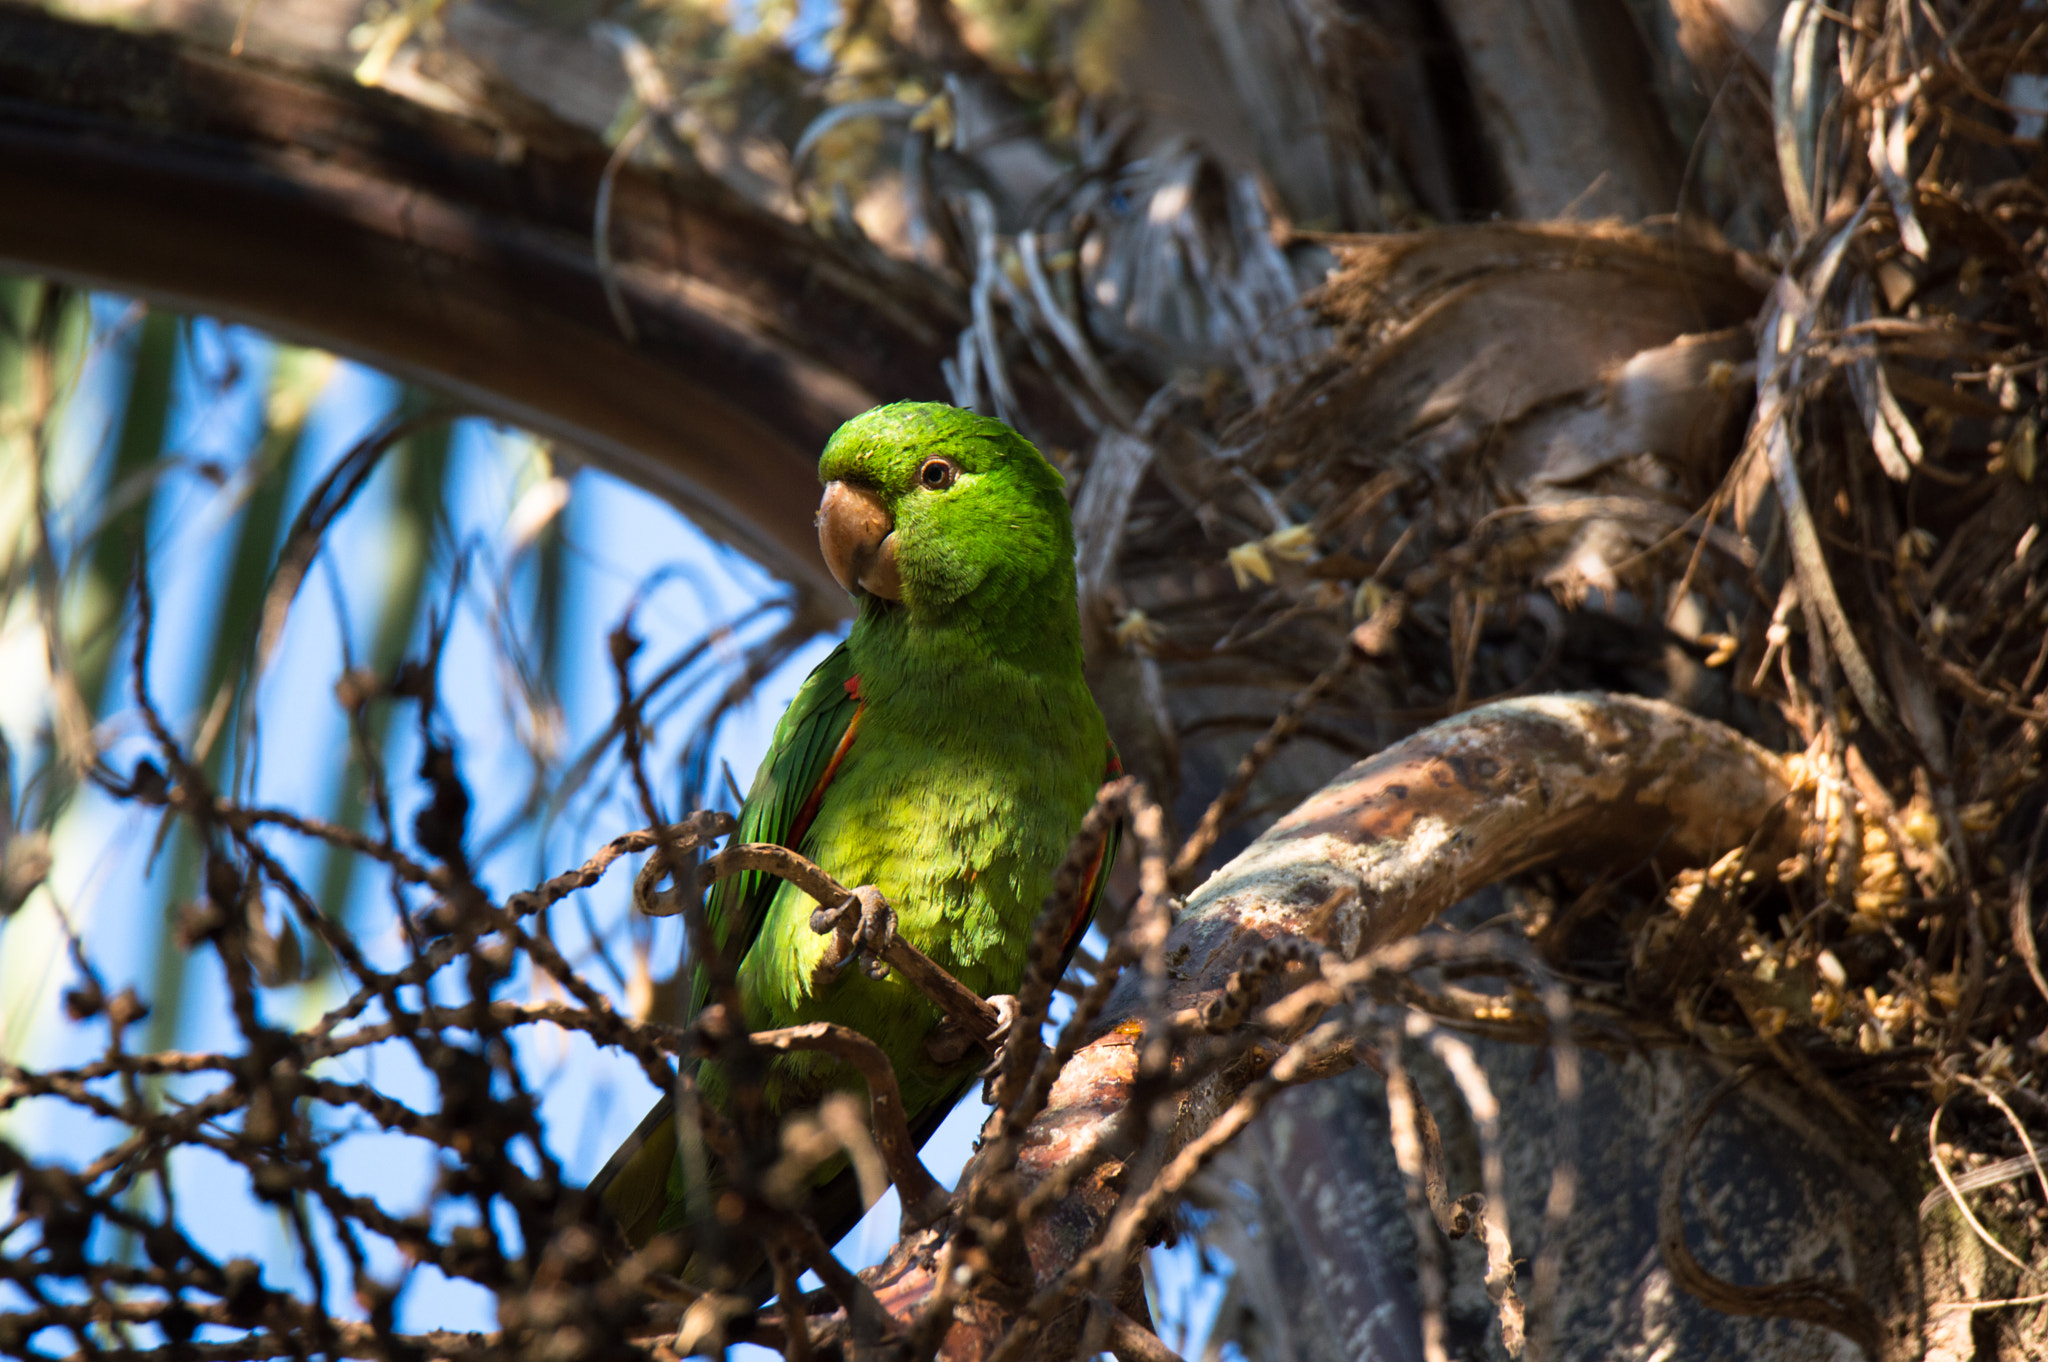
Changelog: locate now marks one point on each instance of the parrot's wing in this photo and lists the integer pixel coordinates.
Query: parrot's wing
(809, 746)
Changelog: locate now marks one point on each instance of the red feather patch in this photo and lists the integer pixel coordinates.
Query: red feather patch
(802, 823)
(1085, 904)
(1112, 768)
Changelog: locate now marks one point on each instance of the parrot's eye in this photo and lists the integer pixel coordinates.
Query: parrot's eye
(938, 474)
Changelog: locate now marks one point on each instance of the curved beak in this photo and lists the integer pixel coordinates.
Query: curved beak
(858, 540)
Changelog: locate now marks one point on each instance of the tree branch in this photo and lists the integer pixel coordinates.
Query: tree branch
(460, 254)
(1371, 858)
(924, 1200)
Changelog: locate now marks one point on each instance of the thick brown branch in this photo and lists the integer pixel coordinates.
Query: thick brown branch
(1507, 788)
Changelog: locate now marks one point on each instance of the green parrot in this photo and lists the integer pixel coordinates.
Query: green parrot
(945, 753)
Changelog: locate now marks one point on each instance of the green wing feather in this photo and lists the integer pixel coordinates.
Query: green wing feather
(802, 757)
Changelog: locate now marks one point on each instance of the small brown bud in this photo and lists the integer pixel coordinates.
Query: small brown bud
(223, 882)
(577, 1245)
(127, 1008)
(84, 1002)
(355, 688)
(274, 1182)
(199, 922)
(264, 1123)
(148, 783)
(178, 1322)
(243, 1294)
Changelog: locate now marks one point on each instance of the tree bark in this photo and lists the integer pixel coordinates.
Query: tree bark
(1564, 93)
(1373, 857)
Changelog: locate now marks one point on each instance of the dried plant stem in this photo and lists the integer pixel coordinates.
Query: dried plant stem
(924, 1200)
(1216, 817)
(1818, 1300)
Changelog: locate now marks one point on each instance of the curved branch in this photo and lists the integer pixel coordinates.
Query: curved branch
(1817, 1300)
(1371, 858)
(924, 1200)
(460, 253)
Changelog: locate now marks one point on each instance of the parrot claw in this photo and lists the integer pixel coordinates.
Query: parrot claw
(877, 929)
(952, 1041)
(1007, 1012)
(864, 924)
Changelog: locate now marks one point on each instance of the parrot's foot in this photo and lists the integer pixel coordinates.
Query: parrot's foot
(864, 924)
(1008, 1009)
(955, 1038)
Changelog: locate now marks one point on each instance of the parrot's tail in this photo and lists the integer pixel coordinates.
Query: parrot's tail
(635, 1187)
(633, 1184)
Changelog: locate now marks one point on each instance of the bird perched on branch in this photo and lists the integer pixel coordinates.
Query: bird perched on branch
(945, 754)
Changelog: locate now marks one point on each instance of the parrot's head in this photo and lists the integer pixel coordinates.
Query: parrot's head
(927, 505)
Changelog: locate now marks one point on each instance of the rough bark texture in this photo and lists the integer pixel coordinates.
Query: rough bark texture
(1503, 789)
(1764, 1202)
(1349, 1282)
(1493, 793)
